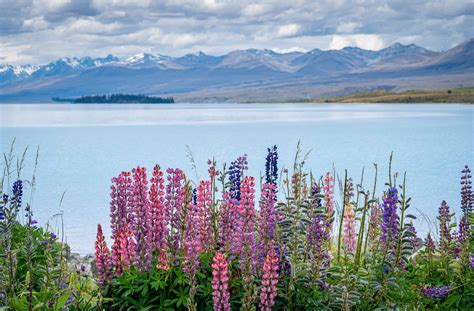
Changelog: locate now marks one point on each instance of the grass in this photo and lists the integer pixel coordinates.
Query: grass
(456, 95)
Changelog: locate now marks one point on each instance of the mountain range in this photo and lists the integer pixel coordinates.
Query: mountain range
(244, 75)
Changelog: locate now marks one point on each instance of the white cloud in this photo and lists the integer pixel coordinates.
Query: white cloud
(363, 41)
(288, 30)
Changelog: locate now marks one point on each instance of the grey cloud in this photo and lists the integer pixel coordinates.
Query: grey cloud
(39, 31)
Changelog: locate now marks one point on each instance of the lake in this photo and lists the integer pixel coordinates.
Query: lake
(83, 146)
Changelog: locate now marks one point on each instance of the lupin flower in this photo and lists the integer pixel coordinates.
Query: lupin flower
(245, 234)
(192, 241)
(413, 239)
(228, 223)
(141, 224)
(318, 238)
(467, 196)
(3, 203)
(102, 257)
(159, 215)
(163, 262)
(436, 291)
(123, 249)
(349, 229)
(462, 237)
(220, 283)
(267, 221)
(271, 166)
(203, 206)
(390, 222)
(236, 173)
(430, 244)
(374, 222)
(328, 191)
(444, 219)
(174, 201)
(120, 197)
(315, 191)
(17, 194)
(268, 292)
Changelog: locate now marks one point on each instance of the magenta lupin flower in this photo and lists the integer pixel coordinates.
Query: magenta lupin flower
(203, 206)
(102, 258)
(268, 292)
(220, 283)
(159, 215)
(328, 191)
(141, 220)
(349, 229)
(174, 201)
(227, 223)
(245, 233)
(120, 196)
(267, 221)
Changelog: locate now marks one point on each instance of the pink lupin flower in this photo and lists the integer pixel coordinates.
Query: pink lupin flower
(220, 283)
(268, 292)
(127, 247)
(174, 202)
(158, 212)
(203, 206)
(102, 257)
(328, 191)
(349, 229)
(267, 221)
(245, 233)
(163, 262)
(141, 223)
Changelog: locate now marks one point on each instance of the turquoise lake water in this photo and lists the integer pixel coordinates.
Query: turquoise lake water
(83, 146)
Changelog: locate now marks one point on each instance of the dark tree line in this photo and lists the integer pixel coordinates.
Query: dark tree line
(118, 98)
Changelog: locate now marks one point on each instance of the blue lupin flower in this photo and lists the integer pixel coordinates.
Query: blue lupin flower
(17, 193)
(236, 172)
(271, 166)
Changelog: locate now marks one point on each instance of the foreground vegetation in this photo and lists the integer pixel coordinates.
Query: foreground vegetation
(179, 244)
(456, 95)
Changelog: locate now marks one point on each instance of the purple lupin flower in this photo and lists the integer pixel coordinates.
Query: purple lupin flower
(228, 223)
(315, 191)
(436, 291)
(174, 202)
(267, 221)
(467, 196)
(236, 173)
(120, 197)
(318, 238)
(413, 239)
(271, 166)
(203, 206)
(390, 222)
(444, 218)
(245, 234)
(159, 215)
(141, 221)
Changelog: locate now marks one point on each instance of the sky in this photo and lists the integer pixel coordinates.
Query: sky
(40, 31)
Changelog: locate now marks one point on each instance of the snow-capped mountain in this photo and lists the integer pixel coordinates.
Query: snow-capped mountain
(239, 72)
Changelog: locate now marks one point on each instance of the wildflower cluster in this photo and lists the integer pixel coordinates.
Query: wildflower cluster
(273, 246)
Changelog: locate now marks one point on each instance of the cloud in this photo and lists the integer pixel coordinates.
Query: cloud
(288, 30)
(39, 31)
(364, 41)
